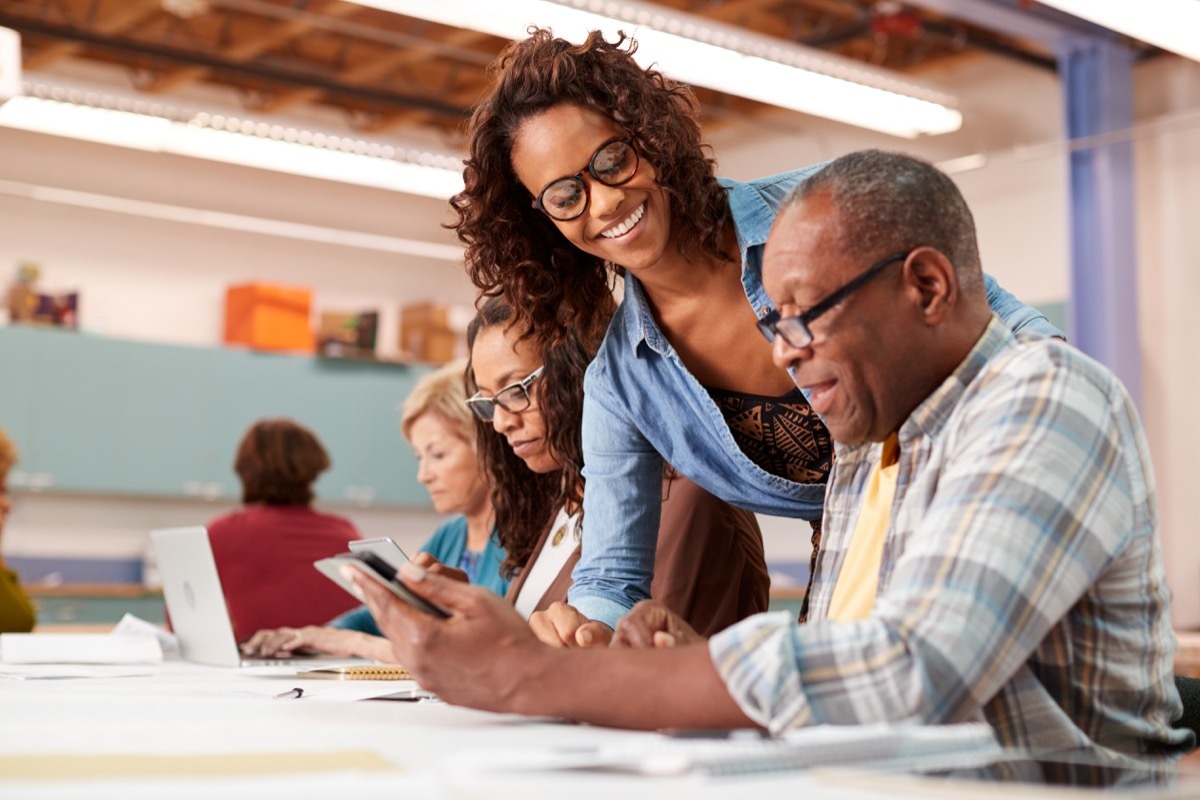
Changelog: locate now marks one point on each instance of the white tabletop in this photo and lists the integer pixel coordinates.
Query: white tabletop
(218, 733)
(191, 711)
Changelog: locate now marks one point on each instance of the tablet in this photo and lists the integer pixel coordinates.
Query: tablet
(385, 547)
(337, 569)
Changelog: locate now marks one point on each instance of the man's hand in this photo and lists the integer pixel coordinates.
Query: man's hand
(480, 656)
(431, 564)
(485, 656)
(561, 625)
(275, 642)
(651, 624)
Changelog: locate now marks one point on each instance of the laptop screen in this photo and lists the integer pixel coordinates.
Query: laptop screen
(193, 596)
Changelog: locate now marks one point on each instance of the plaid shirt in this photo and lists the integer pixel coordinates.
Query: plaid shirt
(1022, 579)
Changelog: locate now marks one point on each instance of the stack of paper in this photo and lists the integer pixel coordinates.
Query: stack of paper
(78, 648)
(877, 746)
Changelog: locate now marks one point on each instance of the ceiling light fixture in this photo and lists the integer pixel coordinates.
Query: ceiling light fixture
(702, 52)
(1170, 24)
(233, 222)
(159, 128)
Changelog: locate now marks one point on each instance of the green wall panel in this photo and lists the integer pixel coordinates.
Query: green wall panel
(95, 415)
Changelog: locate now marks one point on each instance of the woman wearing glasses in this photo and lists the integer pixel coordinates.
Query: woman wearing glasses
(582, 165)
(709, 565)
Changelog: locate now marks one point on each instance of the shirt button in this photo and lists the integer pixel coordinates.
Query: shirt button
(762, 312)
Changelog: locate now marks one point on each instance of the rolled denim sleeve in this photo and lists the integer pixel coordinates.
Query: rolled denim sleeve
(1020, 318)
(621, 507)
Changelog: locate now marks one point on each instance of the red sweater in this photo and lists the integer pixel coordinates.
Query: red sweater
(265, 558)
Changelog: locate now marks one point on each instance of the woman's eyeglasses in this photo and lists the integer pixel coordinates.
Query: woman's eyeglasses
(565, 199)
(513, 398)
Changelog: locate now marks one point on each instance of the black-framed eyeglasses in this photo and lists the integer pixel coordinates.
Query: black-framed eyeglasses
(614, 163)
(795, 331)
(513, 398)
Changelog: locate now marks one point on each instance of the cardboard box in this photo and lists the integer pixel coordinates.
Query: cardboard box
(347, 334)
(269, 317)
(426, 333)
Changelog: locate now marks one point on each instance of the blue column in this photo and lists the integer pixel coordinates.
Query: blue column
(1097, 78)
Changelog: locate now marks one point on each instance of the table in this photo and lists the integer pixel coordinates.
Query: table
(210, 718)
(189, 731)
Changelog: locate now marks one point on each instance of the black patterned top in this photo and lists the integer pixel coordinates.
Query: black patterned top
(785, 437)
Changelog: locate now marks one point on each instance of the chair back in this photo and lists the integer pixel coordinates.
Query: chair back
(1189, 692)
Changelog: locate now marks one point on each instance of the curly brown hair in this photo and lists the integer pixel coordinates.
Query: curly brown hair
(515, 251)
(525, 501)
(277, 462)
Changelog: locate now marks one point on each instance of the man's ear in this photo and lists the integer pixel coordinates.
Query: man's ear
(935, 281)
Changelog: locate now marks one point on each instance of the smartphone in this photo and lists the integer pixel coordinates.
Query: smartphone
(337, 569)
(384, 547)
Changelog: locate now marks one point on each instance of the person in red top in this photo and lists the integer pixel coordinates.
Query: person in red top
(265, 551)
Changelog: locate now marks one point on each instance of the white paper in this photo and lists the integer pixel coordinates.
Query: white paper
(48, 672)
(78, 648)
(130, 625)
(904, 746)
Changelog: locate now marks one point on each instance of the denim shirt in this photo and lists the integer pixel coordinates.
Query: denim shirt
(642, 406)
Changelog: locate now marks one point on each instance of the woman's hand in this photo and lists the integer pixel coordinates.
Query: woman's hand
(282, 642)
(435, 567)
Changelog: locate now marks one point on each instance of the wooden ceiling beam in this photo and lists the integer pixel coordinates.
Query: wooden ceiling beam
(374, 69)
(733, 10)
(116, 16)
(253, 46)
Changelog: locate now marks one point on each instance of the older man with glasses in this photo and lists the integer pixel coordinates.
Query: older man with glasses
(992, 551)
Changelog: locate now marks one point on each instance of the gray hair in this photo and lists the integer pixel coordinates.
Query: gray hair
(892, 202)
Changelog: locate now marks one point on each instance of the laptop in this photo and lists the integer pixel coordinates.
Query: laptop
(199, 616)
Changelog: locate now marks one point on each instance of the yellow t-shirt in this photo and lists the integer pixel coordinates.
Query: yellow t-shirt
(858, 581)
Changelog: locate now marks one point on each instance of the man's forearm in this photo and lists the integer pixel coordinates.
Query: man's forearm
(648, 689)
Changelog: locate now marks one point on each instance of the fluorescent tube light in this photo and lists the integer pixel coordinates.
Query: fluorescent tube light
(158, 128)
(1170, 24)
(953, 166)
(705, 53)
(233, 222)
(10, 64)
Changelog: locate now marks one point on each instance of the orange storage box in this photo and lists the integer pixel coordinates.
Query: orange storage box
(269, 317)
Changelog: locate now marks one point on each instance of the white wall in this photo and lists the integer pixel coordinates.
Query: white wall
(1168, 199)
(163, 281)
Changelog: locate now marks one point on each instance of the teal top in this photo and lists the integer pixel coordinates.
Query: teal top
(448, 544)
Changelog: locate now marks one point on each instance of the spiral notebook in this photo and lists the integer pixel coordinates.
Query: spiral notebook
(360, 672)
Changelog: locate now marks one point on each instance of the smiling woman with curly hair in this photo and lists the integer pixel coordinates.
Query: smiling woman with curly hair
(583, 166)
(564, 283)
